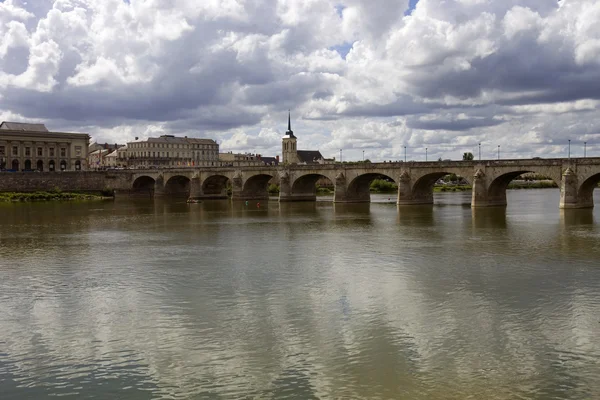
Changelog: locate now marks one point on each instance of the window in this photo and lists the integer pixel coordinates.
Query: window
(2, 150)
(77, 151)
(51, 151)
(63, 152)
(28, 151)
(40, 152)
(15, 151)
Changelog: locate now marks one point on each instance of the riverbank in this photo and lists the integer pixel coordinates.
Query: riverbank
(52, 196)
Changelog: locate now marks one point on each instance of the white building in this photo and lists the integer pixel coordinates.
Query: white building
(168, 151)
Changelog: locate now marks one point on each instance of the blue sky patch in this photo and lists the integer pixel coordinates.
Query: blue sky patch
(343, 49)
(411, 6)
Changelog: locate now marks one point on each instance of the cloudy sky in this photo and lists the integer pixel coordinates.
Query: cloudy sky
(358, 75)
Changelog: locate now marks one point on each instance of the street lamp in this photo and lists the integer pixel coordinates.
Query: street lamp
(340, 155)
(569, 149)
(363, 155)
(425, 153)
(498, 152)
(479, 151)
(404, 153)
(584, 149)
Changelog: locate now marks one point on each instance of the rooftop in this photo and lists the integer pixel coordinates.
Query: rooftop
(180, 140)
(309, 156)
(23, 126)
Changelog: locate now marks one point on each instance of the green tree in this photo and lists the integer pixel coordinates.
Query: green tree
(468, 156)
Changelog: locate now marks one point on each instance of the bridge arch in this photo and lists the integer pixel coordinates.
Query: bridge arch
(255, 187)
(359, 188)
(585, 192)
(215, 187)
(178, 185)
(143, 185)
(422, 189)
(415, 186)
(303, 187)
(497, 185)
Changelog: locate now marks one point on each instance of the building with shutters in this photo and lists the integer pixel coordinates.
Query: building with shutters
(168, 151)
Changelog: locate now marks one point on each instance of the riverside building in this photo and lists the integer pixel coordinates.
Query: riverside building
(31, 147)
(168, 151)
(240, 159)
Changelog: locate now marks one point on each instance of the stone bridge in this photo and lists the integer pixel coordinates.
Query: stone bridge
(576, 178)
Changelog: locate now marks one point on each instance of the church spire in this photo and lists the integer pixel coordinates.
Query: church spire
(290, 132)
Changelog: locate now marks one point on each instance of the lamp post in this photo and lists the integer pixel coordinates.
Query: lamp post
(363, 156)
(404, 153)
(479, 151)
(584, 149)
(425, 153)
(569, 149)
(340, 155)
(498, 152)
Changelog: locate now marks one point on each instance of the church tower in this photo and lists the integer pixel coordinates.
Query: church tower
(288, 147)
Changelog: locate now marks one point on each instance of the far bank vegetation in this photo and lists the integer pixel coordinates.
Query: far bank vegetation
(53, 195)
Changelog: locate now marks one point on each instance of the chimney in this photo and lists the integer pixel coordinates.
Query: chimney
(277, 158)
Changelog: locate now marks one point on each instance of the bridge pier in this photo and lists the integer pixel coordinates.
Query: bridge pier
(344, 194)
(159, 186)
(304, 192)
(408, 195)
(481, 196)
(570, 194)
(195, 188)
(246, 191)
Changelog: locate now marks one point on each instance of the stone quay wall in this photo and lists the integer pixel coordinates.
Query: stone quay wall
(66, 181)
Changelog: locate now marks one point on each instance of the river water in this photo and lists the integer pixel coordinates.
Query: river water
(165, 300)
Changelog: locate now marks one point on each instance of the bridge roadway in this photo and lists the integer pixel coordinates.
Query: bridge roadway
(576, 177)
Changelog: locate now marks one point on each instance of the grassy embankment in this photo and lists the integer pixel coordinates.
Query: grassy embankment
(53, 195)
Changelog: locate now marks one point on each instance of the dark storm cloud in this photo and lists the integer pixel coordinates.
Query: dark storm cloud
(452, 125)
(526, 72)
(404, 105)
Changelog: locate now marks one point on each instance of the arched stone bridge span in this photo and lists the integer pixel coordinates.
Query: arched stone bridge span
(576, 178)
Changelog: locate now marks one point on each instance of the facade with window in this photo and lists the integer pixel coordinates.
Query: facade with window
(240, 159)
(31, 147)
(97, 159)
(168, 151)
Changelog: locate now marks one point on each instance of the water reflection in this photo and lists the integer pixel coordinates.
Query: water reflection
(421, 215)
(570, 217)
(304, 300)
(489, 217)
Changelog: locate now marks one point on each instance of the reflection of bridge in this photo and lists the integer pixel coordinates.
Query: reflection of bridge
(576, 178)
